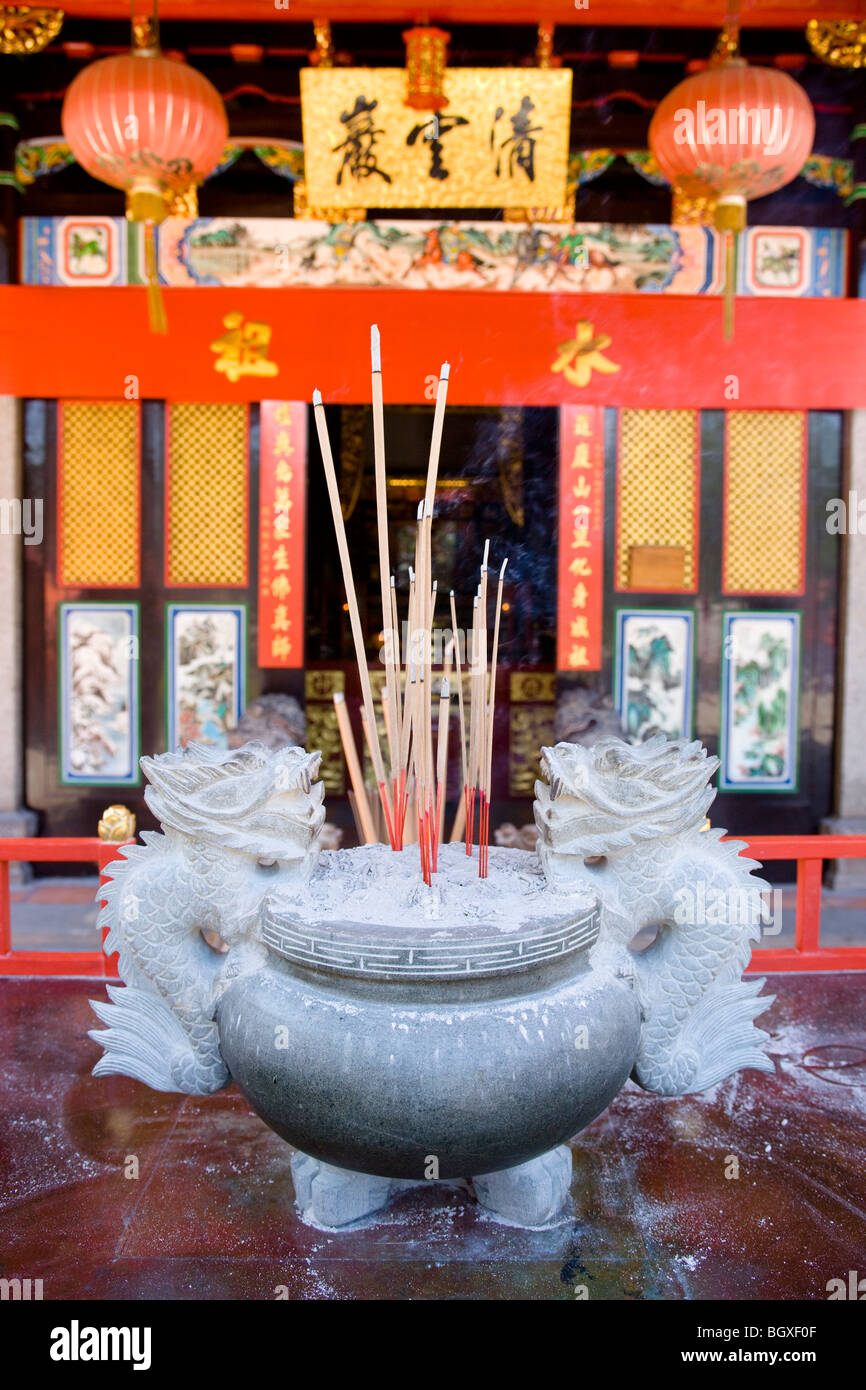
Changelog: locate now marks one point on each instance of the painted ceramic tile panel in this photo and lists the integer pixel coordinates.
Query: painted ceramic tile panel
(760, 701)
(206, 663)
(580, 257)
(654, 672)
(81, 251)
(98, 694)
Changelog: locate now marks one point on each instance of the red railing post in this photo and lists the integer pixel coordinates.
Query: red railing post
(808, 921)
(5, 910)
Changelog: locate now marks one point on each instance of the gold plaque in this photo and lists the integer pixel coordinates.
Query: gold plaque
(501, 141)
(657, 567)
(533, 687)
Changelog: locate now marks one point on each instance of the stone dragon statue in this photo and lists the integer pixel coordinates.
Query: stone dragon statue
(630, 820)
(238, 826)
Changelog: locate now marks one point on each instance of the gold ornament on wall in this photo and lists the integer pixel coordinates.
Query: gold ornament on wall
(24, 29)
(116, 825)
(839, 42)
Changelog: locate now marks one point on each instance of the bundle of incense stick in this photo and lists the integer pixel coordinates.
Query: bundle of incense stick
(418, 759)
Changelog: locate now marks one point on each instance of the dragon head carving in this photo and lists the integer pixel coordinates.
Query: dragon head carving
(614, 794)
(251, 799)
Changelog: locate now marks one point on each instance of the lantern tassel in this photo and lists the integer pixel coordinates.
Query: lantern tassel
(729, 218)
(155, 303)
(730, 282)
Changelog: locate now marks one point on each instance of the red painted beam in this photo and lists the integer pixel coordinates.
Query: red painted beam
(689, 14)
(669, 351)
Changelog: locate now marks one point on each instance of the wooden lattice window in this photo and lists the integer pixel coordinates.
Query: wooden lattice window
(657, 501)
(98, 515)
(765, 480)
(206, 495)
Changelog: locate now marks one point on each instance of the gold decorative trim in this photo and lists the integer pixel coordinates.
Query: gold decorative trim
(24, 29)
(839, 42)
(323, 57)
(692, 212)
(302, 210)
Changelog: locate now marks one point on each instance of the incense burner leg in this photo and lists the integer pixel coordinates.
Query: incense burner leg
(531, 1194)
(332, 1197)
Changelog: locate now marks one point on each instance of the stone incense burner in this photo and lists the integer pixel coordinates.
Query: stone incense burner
(396, 1033)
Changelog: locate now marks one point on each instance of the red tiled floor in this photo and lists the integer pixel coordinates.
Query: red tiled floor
(657, 1214)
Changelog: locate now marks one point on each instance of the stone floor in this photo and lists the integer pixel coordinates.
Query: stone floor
(658, 1213)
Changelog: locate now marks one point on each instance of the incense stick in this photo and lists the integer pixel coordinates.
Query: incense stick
(356, 777)
(382, 531)
(351, 596)
(488, 751)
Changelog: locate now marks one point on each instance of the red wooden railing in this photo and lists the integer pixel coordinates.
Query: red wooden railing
(807, 953)
(809, 851)
(77, 850)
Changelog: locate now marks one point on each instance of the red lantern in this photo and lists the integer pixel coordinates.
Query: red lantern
(151, 126)
(731, 133)
(147, 124)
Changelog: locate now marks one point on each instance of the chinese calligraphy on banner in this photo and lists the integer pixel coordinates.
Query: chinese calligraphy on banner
(282, 508)
(501, 141)
(581, 538)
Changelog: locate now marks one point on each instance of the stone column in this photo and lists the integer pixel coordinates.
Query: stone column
(850, 799)
(15, 819)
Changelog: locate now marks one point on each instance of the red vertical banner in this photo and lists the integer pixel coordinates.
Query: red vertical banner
(282, 512)
(581, 538)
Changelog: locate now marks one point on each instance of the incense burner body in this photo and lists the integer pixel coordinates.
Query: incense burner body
(380, 1049)
(395, 1032)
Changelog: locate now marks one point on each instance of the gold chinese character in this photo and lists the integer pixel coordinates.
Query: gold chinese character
(579, 597)
(581, 488)
(578, 656)
(283, 498)
(283, 444)
(281, 648)
(582, 426)
(582, 355)
(280, 558)
(280, 587)
(581, 539)
(580, 565)
(284, 473)
(579, 627)
(283, 413)
(243, 350)
(281, 621)
(580, 458)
